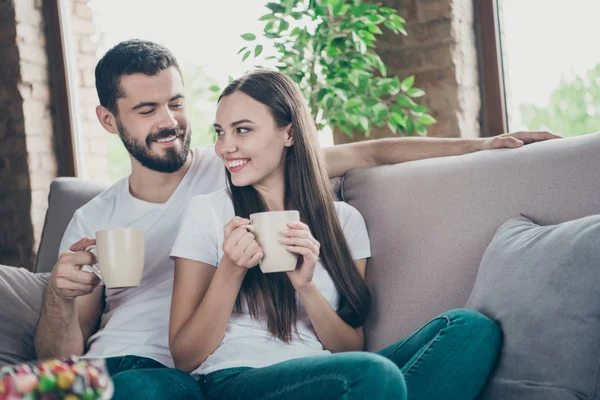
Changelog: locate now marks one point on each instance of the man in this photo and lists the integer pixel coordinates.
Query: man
(142, 99)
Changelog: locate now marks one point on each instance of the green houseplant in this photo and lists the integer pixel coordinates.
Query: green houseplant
(328, 48)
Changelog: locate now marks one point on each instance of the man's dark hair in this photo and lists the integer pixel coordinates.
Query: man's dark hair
(126, 58)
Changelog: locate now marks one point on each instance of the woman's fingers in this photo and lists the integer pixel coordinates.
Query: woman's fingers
(310, 244)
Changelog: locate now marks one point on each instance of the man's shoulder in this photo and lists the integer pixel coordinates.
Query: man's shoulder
(103, 202)
(213, 199)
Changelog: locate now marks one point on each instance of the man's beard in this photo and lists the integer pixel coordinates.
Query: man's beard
(173, 158)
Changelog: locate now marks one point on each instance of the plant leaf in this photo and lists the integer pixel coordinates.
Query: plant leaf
(249, 36)
(427, 119)
(407, 83)
(414, 92)
(257, 50)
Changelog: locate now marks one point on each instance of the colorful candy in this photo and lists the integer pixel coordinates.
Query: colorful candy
(71, 379)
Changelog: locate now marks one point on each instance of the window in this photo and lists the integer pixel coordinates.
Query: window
(551, 65)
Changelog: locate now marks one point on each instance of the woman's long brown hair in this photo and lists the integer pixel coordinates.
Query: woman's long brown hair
(307, 189)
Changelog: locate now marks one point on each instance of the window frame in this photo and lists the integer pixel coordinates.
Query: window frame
(494, 110)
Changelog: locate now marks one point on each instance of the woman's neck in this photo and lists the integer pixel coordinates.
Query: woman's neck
(273, 193)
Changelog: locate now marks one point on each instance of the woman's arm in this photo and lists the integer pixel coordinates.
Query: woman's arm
(332, 331)
(203, 299)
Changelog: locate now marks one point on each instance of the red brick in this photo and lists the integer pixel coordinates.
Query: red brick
(446, 127)
(82, 26)
(34, 73)
(36, 110)
(30, 34)
(25, 12)
(443, 77)
(407, 9)
(400, 60)
(423, 33)
(87, 61)
(82, 10)
(40, 144)
(33, 53)
(439, 56)
(87, 46)
(428, 10)
(38, 127)
(8, 33)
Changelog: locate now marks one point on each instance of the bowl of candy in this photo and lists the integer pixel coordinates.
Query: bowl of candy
(71, 379)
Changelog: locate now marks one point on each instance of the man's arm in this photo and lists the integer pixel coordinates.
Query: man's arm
(342, 158)
(72, 306)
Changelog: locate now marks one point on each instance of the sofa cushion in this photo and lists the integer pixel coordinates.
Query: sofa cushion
(542, 285)
(21, 295)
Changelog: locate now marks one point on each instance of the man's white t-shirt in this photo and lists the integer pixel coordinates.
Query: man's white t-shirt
(248, 342)
(135, 321)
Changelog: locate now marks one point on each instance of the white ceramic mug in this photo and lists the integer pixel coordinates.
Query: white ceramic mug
(120, 254)
(267, 227)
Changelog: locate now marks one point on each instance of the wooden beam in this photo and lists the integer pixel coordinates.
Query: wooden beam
(492, 70)
(58, 77)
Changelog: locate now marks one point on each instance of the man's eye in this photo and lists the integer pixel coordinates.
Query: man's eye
(147, 112)
(177, 105)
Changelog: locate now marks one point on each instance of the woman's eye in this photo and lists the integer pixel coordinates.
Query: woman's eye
(243, 130)
(219, 132)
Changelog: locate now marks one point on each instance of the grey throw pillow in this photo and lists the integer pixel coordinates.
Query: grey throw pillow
(542, 285)
(21, 295)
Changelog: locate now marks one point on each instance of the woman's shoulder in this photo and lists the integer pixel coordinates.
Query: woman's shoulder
(346, 212)
(218, 204)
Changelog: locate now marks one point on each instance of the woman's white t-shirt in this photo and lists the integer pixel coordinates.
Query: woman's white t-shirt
(248, 342)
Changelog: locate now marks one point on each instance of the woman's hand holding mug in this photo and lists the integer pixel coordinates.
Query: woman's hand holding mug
(300, 240)
(240, 245)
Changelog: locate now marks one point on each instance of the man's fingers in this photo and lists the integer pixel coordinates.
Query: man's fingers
(76, 275)
(82, 244)
(82, 258)
(76, 290)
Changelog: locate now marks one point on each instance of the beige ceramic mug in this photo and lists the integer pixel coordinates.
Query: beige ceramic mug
(120, 254)
(267, 227)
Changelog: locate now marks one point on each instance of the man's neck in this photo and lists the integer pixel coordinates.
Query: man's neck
(153, 186)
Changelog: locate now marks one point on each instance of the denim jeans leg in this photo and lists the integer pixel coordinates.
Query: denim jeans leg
(143, 378)
(348, 376)
(448, 358)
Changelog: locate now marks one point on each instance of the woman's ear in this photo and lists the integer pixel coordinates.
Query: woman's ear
(289, 137)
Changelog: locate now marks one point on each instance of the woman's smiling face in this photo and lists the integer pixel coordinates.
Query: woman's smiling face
(250, 144)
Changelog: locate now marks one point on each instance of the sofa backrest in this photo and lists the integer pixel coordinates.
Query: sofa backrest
(430, 221)
(66, 196)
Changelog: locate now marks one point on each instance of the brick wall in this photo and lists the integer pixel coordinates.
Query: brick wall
(440, 50)
(92, 134)
(27, 160)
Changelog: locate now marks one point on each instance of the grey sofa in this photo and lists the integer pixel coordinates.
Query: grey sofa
(429, 221)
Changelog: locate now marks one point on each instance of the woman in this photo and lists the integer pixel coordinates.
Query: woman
(245, 334)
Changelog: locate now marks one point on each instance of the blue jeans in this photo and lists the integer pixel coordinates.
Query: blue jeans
(143, 378)
(449, 358)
